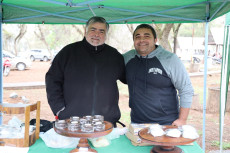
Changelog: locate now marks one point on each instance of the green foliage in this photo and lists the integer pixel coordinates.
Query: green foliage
(200, 91)
(7, 34)
(226, 145)
(198, 29)
(120, 35)
(51, 37)
(192, 29)
(199, 132)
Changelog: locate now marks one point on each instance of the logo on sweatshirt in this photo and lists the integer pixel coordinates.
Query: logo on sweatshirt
(155, 70)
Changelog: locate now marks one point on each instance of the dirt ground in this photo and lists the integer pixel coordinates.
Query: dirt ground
(37, 74)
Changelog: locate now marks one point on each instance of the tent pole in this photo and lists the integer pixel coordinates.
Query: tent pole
(205, 83)
(1, 67)
(224, 83)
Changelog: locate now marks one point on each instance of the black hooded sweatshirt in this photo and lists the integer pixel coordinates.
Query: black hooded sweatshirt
(82, 80)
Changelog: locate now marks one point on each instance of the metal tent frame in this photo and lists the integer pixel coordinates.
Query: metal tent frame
(125, 15)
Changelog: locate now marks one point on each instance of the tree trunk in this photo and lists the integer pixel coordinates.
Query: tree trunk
(130, 27)
(175, 33)
(164, 40)
(213, 102)
(22, 32)
(41, 36)
(158, 30)
(79, 30)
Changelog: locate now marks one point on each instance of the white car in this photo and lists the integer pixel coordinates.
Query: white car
(17, 62)
(40, 54)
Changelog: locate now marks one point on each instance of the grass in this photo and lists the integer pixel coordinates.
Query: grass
(199, 132)
(200, 91)
(226, 145)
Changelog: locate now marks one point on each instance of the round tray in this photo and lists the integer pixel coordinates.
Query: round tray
(163, 140)
(83, 142)
(164, 144)
(80, 134)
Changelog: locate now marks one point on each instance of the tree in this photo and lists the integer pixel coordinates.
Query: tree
(79, 31)
(131, 30)
(41, 36)
(130, 27)
(22, 31)
(8, 39)
(163, 31)
(176, 28)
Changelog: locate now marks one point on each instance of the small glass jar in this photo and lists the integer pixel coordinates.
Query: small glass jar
(87, 128)
(73, 126)
(88, 118)
(74, 118)
(95, 120)
(99, 126)
(82, 121)
(100, 117)
(60, 124)
(96, 123)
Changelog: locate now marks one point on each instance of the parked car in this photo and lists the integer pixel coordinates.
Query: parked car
(17, 62)
(40, 54)
(7, 54)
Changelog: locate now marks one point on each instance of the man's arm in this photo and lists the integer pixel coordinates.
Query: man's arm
(54, 86)
(182, 117)
(123, 73)
(181, 81)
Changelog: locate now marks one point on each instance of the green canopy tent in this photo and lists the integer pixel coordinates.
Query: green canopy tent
(115, 12)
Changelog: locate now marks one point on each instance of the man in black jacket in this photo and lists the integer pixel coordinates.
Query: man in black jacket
(82, 78)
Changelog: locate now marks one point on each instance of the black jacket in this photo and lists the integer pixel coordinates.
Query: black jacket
(82, 78)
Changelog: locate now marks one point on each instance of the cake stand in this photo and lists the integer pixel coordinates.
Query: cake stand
(83, 142)
(164, 144)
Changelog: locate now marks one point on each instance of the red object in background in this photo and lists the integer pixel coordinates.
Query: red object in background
(6, 66)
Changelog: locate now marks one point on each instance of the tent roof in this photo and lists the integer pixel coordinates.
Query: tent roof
(114, 11)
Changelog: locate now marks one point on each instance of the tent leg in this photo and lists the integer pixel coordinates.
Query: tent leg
(1, 67)
(224, 82)
(205, 84)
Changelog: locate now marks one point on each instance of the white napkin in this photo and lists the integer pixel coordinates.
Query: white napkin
(156, 130)
(8, 149)
(189, 132)
(173, 133)
(54, 140)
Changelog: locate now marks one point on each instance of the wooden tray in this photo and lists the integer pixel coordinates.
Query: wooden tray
(80, 134)
(164, 143)
(83, 143)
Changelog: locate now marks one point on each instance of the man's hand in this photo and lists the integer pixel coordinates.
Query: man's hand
(182, 117)
(179, 122)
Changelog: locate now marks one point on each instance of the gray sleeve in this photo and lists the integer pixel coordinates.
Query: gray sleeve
(129, 55)
(180, 78)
